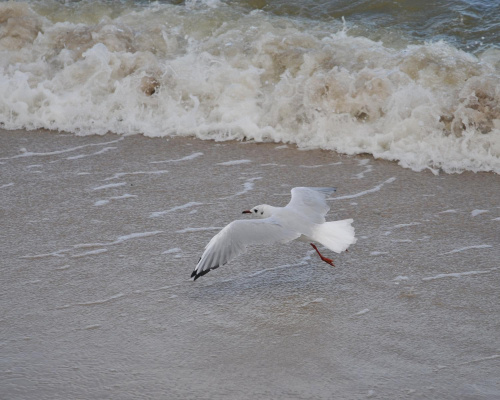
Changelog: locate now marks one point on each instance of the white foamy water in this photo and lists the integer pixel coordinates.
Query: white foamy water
(118, 240)
(405, 225)
(102, 151)
(109, 186)
(108, 200)
(362, 312)
(480, 246)
(475, 213)
(364, 192)
(26, 153)
(186, 158)
(235, 162)
(90, 253)
(210, 70)
(122, 174)
(172, 251)
(457, 274)
(95, 302)
(173, 209)
(201, 229)
(248, 185)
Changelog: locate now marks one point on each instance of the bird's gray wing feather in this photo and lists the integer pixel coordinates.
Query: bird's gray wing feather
(235, 237)
(311, 201)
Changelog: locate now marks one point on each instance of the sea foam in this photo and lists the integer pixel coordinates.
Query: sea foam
(213, 71)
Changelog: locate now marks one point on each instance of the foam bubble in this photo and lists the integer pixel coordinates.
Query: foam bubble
(218, 73)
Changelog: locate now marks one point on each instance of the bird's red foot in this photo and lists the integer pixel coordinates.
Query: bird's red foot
(327, 260)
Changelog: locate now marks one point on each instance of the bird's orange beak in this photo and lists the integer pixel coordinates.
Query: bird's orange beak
(246, 212)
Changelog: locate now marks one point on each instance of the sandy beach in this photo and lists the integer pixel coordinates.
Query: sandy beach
(99, 235)
(132, 132)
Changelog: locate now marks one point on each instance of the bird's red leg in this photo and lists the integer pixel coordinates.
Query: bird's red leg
(327, 260)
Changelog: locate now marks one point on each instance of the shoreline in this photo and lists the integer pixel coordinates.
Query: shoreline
(101, 233)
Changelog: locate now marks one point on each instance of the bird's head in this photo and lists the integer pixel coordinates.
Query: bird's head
(262, 211)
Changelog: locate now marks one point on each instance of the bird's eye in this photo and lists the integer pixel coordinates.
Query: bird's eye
(254, 211)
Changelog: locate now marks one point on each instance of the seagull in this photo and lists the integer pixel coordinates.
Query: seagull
(302, 218)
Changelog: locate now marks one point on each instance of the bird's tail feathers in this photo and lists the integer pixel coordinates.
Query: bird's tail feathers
(336, 235)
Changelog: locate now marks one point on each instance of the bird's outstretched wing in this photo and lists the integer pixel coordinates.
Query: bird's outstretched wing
(235, 237)
(311, 201)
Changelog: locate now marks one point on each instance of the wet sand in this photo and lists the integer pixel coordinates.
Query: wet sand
(100, 235)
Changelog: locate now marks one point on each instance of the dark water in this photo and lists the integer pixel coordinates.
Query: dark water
(467, 24)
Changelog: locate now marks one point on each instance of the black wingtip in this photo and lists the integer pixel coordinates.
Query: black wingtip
(193, 274)
(197, 275)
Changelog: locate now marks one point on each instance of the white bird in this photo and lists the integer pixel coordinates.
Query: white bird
(302, 218)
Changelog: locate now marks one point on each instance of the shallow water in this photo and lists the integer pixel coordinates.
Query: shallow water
(97, 249)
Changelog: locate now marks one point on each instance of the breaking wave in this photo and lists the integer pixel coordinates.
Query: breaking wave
(216, 71)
